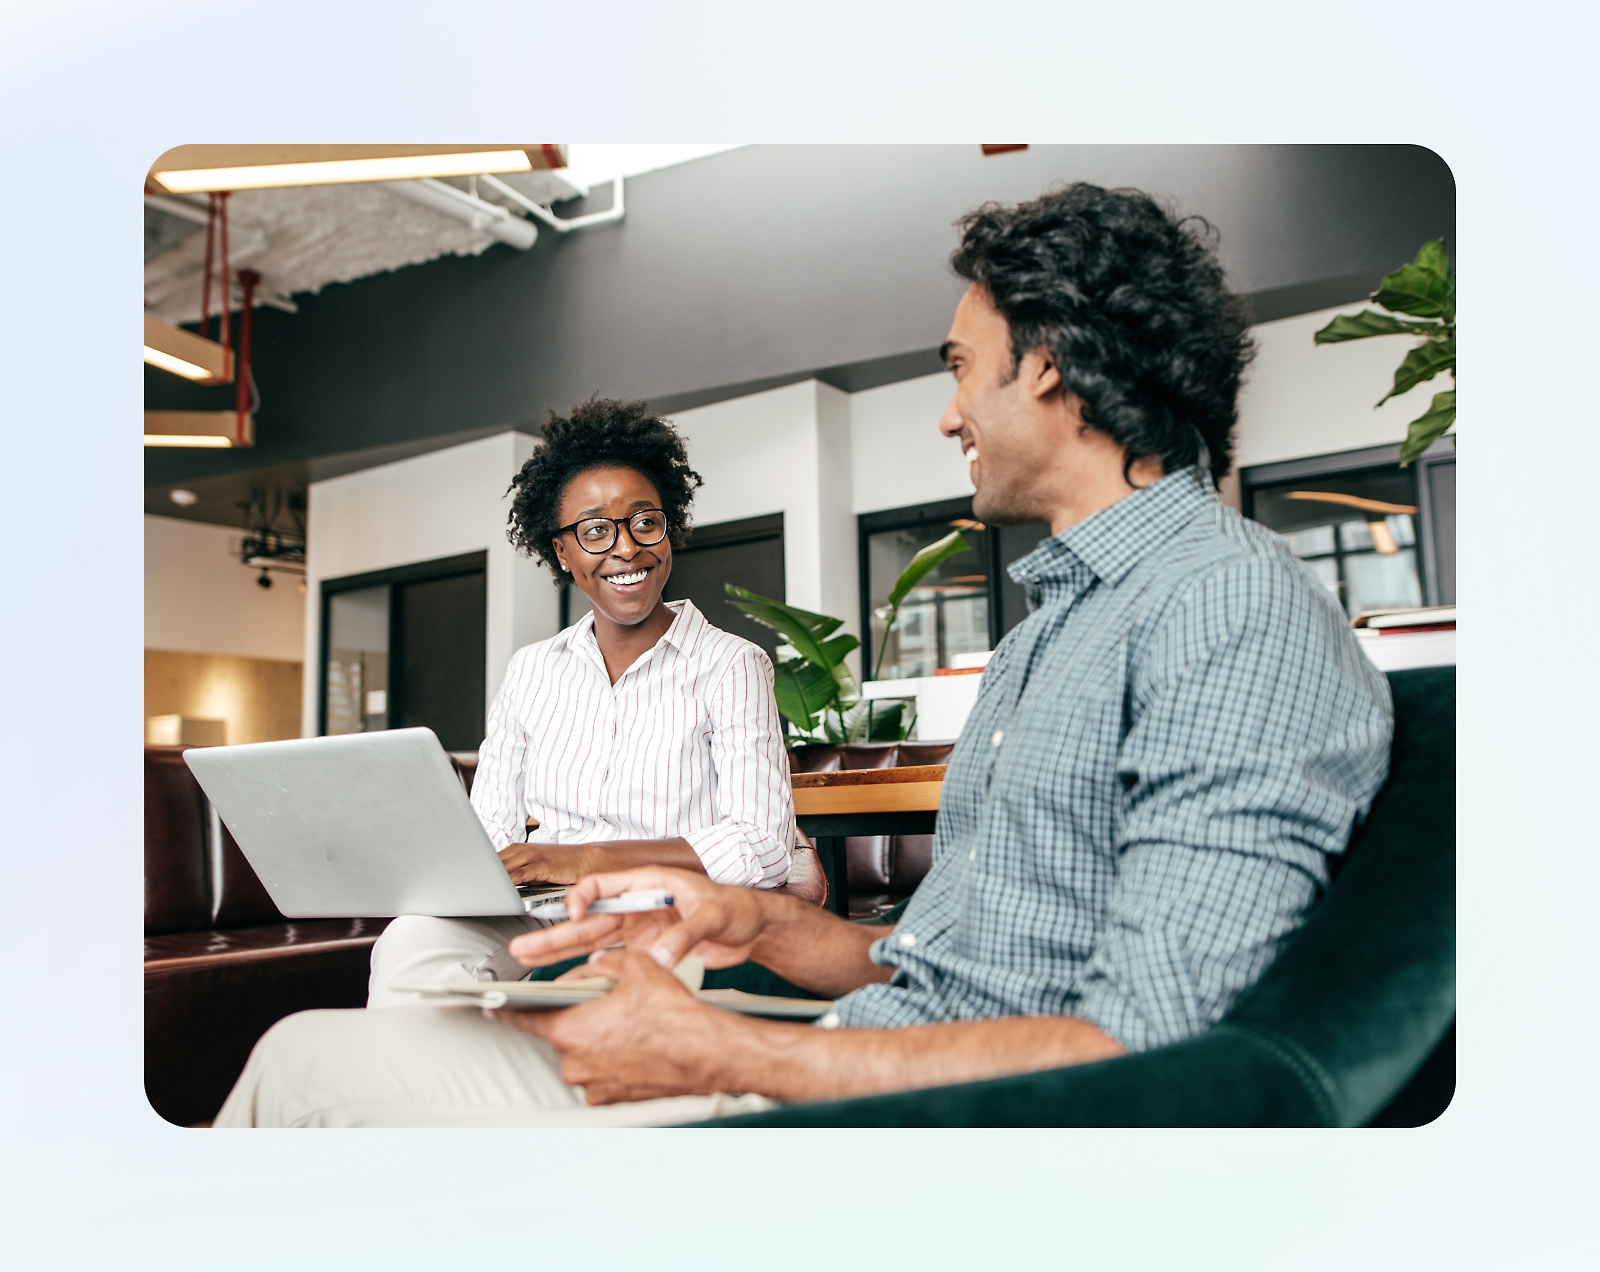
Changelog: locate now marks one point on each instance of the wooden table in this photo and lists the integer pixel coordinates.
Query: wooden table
(833, 806)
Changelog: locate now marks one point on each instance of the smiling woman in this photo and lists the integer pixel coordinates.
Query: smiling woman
(641, 735)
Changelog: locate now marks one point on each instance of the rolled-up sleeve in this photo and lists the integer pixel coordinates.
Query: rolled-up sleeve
(1260, 735)
(497, 787)
(753, 835)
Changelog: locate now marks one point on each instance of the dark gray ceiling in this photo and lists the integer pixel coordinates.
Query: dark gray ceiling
(762, 266)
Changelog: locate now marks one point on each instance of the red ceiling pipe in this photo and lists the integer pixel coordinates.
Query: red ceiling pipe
(248, 279)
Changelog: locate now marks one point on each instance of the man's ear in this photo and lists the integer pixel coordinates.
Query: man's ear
(1039, 374)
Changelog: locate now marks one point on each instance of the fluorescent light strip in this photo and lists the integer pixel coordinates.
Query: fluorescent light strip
(186, 439)
(340, 171)
(176, 365)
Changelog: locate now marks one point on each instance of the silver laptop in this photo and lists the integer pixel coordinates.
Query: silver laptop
(369, 824)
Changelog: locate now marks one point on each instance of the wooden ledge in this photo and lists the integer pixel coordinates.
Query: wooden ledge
(871, 777)
(894, 790)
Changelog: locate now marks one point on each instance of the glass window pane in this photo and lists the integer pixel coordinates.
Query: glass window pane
(1376, 581)
(1317, 541)
(1403, 529)
(1354, 536)
(358, 660)
(946, 615)
(1360, 526)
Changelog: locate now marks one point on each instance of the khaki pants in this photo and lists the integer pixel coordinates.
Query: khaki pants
(429, 1066)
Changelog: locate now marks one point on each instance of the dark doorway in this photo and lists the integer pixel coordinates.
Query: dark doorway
(407, 647)
(438, 657)
(747, 553)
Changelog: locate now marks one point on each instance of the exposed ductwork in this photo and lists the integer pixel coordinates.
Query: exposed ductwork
(501, 222)
(495, 219)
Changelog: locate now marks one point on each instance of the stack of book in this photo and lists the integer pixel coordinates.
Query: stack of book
(1399, 639)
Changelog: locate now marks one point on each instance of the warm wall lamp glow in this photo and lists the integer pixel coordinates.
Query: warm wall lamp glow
(186, 354)
(189, 169)
(198, 428)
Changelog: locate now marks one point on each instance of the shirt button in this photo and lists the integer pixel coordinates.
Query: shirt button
(998, 738)
(907, 940)
(830, 1021)
(973, 855)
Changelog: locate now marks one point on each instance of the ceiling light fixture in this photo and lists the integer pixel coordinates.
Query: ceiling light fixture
(191, 169)
(184, 498)
(207, 440)
(1351, 501)
(186, 354)
(198, 428)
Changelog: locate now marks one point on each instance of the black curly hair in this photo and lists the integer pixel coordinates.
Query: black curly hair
(599, 433)
(1131, 304)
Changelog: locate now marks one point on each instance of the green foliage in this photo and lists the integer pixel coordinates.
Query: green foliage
(814, 688)
(926, 561)
(1424, 289)
(1371, 323)
(1422, 364)
(1426, 429)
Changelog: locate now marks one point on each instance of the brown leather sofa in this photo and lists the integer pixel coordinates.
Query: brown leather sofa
(214, 982)
(882, 870)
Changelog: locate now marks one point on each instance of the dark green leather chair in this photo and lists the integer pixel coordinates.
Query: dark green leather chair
(1352, 1025)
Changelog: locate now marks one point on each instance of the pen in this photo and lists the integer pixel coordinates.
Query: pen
(627, 903)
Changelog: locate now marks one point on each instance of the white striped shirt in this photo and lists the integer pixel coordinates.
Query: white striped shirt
(688, 743)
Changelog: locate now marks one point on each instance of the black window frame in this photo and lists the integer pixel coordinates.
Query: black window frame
(1368, 459)
(396, 576)
(1006, 603)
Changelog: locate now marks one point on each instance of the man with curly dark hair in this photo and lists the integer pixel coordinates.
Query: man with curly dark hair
(1141, 809)
(641, 735)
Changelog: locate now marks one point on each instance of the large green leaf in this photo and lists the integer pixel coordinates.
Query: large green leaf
(838, 647)
(803, 690)
(930, 558)
(875, 720)
(1422, 364)
(1428, 428)
(1369, 322)
(1424, 289)
(803, 629)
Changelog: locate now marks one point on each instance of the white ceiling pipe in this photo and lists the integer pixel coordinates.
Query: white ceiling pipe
(496, 220)
(613, 213)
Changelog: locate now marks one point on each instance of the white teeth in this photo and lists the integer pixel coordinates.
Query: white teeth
(969, 452)
(622, 580)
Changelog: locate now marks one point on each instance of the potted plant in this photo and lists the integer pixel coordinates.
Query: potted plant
(816, 692)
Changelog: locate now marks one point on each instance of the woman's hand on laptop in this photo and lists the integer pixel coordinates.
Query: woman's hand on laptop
(716, 922)
(544, 863)
(567, 863)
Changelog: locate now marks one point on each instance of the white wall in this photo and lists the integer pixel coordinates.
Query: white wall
(441, 504)
(198, 598)
(1300, 399)
(900, 457)
(786, 450)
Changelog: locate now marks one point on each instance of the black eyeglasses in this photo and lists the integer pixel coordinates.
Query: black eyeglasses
(647, 527)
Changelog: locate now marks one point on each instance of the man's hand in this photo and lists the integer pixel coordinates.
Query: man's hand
(544, 863)
(647, 1038)
(716, 923)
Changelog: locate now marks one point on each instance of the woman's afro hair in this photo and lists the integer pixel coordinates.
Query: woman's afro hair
(1133, 308)
(599, 433)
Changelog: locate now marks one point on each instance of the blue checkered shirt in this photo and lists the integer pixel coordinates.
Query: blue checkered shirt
(1140, 809)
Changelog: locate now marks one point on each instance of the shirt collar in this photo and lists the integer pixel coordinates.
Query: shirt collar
(684, 633)
(1115, 539)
